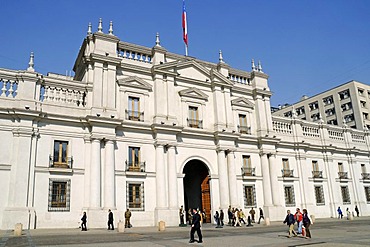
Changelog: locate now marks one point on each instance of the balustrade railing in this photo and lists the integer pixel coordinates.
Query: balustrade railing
(60, 162)
(310, 131)
(8, 88)
(360, 138)
(287, 173)
(134, 115)
(343, 175)
(60, 95)
(135, 166)
(282, 127)
(317, 174)
(365, 175)
(248, 171)
(336, 134)
(244, 129)
(195, 123)
(134, 52)
(239, 79)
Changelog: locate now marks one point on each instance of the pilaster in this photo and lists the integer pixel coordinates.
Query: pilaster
(223, 179)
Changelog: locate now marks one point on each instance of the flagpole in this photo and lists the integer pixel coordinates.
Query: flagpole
(186, 50)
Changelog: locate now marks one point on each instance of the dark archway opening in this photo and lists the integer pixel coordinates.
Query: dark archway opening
(196, 188)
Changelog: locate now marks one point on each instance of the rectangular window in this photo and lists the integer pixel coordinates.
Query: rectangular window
(59, 195)
(286, 171)
(367, 194)
(319, 194)
(345, 195)
(135, 196)
(285, 164)
(193, 120)
(243, 125)
(247, 166)
(134, 162)
(60, 155)
(315, 165)
(340, 167)
(289, 196)
(316, 173)
(249, 196)
(133, 111)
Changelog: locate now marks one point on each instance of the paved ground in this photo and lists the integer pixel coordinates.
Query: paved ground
(328, 232)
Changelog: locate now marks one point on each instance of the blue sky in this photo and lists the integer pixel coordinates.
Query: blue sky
(306, 46)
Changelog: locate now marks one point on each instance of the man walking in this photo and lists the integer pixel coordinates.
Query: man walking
(222, 218)
(83, 222)
(181, 215)
(252, 213)
(357, 211)
(261, 216)
(110, 220)
(195, 227)
(340, 213)
(289, 220)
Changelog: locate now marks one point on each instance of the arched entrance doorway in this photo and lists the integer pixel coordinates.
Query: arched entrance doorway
(197, 192)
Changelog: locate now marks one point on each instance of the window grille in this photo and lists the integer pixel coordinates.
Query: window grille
(345, 195)
(289, 196)
(59, 195)
(319, 194)
(367, 194)
(135, 196)
(249, 196)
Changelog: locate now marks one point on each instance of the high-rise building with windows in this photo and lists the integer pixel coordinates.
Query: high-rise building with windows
(149, 130)
(347, 104)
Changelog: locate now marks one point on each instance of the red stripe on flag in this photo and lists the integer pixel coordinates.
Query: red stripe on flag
(184, 24)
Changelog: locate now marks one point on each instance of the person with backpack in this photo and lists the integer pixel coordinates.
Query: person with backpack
(306, 223)
(289, 220)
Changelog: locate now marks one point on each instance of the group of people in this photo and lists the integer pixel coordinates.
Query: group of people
(303, 220)
(110, 220)
(340, 213)
(236, 216)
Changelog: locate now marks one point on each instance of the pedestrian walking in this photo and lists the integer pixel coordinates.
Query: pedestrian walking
(195, 227)
(110, 220)
(298, 218)
(348, 213)
(340, 213)
(222, 217)
(289, 220)
(181, 215)
(357, 211)
(128, 218)
(83, 222)
(307, 222)
(252, 213)
(230, 215)
(241, 216)
(236, 216)
(217, 219)
(261, 216)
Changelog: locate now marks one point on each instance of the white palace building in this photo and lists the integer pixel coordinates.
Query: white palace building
(149, 130)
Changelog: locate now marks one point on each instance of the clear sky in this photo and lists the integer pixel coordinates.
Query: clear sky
(306, 46)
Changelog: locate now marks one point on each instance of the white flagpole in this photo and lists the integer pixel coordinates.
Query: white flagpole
(186, 50)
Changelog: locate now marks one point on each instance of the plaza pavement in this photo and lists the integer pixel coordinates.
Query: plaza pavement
(326, 232)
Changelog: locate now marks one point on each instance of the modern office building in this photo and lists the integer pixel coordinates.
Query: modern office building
(347, 104)
(149, 130)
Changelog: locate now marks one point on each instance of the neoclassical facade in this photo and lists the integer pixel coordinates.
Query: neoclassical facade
(149, 130)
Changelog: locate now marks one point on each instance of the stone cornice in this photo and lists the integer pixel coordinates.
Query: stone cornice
(102, 120)
(103, 36)
(136, 82)
(259, 74)
(193, 93)
(101, 58)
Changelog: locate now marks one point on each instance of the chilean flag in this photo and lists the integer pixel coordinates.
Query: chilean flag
(184, 24)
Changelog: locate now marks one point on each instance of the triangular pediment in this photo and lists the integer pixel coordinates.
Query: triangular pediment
(194, 93)
(135, 82)
(242, 102)
(220, 78)
(185, 68)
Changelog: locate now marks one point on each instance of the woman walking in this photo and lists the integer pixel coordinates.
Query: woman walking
(307, 222)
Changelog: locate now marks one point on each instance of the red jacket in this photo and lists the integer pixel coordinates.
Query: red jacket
(298, 216)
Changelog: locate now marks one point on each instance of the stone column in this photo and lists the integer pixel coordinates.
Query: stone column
(274, 172)
(87, 165)
(95, 172)
(172, 178)
(223, 179)
(160, 178)
(109, 186)
(328, 162)
(266, 181)
(232, 179)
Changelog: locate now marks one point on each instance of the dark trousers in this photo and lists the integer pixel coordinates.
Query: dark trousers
(83, 226)
(307, 227)
(261, 217)
(182, 220)
(110, 224)
(199, 232)
(127, 223)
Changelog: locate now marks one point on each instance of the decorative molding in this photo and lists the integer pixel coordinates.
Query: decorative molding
(242, 102)
(194, 93)
(135, 82)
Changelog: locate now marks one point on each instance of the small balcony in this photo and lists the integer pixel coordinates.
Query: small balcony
(317, 174)
(135, 116)
(365, 176)
(195, 123)
(64, 162)
(244, 129)
(135, 167)
(248, 171)
(343, 175)
(286, 173)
